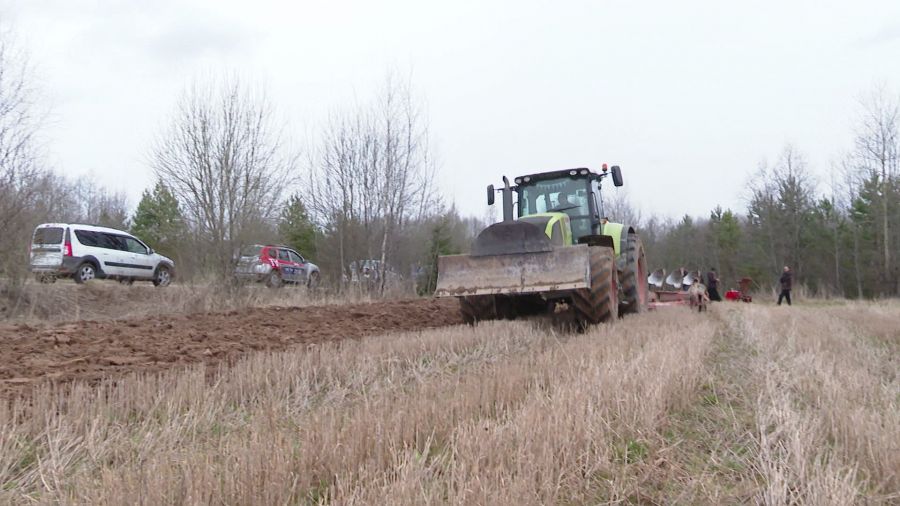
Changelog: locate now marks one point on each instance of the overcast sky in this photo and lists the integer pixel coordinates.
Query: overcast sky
(688, 97)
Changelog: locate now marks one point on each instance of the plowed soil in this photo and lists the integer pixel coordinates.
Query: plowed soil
(90, 350)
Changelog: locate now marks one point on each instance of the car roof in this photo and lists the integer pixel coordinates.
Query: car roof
(275, 246)
(81, 226)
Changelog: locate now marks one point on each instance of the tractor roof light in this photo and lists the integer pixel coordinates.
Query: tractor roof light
(573, 172)
(527, 178)
(584, 172)
(518, 180)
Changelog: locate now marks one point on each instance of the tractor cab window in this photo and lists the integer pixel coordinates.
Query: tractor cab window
(562, 195)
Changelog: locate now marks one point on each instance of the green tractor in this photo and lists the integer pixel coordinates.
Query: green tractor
(555, 252)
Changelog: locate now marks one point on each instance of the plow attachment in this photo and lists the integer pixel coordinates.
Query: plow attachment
(565, 268)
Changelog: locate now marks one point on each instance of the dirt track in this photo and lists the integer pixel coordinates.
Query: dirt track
(90, 350)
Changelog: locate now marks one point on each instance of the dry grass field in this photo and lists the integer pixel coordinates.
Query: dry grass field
(743, 404)
(104, 300)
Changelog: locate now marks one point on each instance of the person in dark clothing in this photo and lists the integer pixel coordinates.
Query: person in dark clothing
(786, 285)
(712, 285)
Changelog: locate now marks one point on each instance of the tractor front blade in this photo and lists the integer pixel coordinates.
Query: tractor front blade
(562, 268)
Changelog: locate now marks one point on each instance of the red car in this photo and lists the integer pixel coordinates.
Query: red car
(275, 266)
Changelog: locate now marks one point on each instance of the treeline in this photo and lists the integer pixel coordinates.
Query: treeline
(361, 194)
(840, 237)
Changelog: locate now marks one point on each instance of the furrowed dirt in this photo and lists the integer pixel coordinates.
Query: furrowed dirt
(90, 350)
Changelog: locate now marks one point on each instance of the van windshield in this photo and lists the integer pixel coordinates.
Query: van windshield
(48, 235)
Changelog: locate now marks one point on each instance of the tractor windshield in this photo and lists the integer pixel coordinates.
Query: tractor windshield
(564, 195)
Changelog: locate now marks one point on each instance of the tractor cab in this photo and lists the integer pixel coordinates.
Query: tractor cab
(566, 204)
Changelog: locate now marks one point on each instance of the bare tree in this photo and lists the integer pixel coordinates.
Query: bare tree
(223, 158)
(372, 174)
(618, 207)
(780, 198)
(402, 161)
(878, 148)
(20, 173)
(341, 185)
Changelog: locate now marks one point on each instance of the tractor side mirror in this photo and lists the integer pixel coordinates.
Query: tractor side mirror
(490, 191)
(617, 175)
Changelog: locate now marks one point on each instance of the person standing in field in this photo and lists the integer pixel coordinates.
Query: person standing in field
(712, 285)
(786, 285)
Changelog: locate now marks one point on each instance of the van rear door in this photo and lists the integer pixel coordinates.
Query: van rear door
(47, 247)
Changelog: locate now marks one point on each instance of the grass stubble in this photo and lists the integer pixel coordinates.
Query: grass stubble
(747, 403)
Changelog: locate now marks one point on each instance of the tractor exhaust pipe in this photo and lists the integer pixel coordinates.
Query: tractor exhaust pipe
(507, 200)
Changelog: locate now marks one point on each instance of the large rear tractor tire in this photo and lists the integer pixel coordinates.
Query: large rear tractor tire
(634, 277)
(477, 308)
(600, 302)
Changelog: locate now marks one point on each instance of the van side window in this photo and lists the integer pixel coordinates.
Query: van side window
(283, 255)
(111, 241)
(135, 246)
(272, 253)
(87, 238)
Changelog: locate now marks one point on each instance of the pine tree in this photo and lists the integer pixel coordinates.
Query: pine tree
(158, 220)
(295, 227)
(440, 243)
(726, 234)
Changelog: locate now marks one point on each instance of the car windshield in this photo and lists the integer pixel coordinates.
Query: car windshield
(251, 251)
(565, 195)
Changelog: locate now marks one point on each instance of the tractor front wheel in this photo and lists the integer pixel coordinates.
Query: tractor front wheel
(600, 302)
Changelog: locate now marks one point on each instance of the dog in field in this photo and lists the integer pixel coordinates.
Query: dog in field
(698, 295)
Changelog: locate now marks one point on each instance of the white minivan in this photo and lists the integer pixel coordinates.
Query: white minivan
(86, 252)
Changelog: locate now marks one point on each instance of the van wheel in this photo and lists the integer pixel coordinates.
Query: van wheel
(85, 272)
(163, 276)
